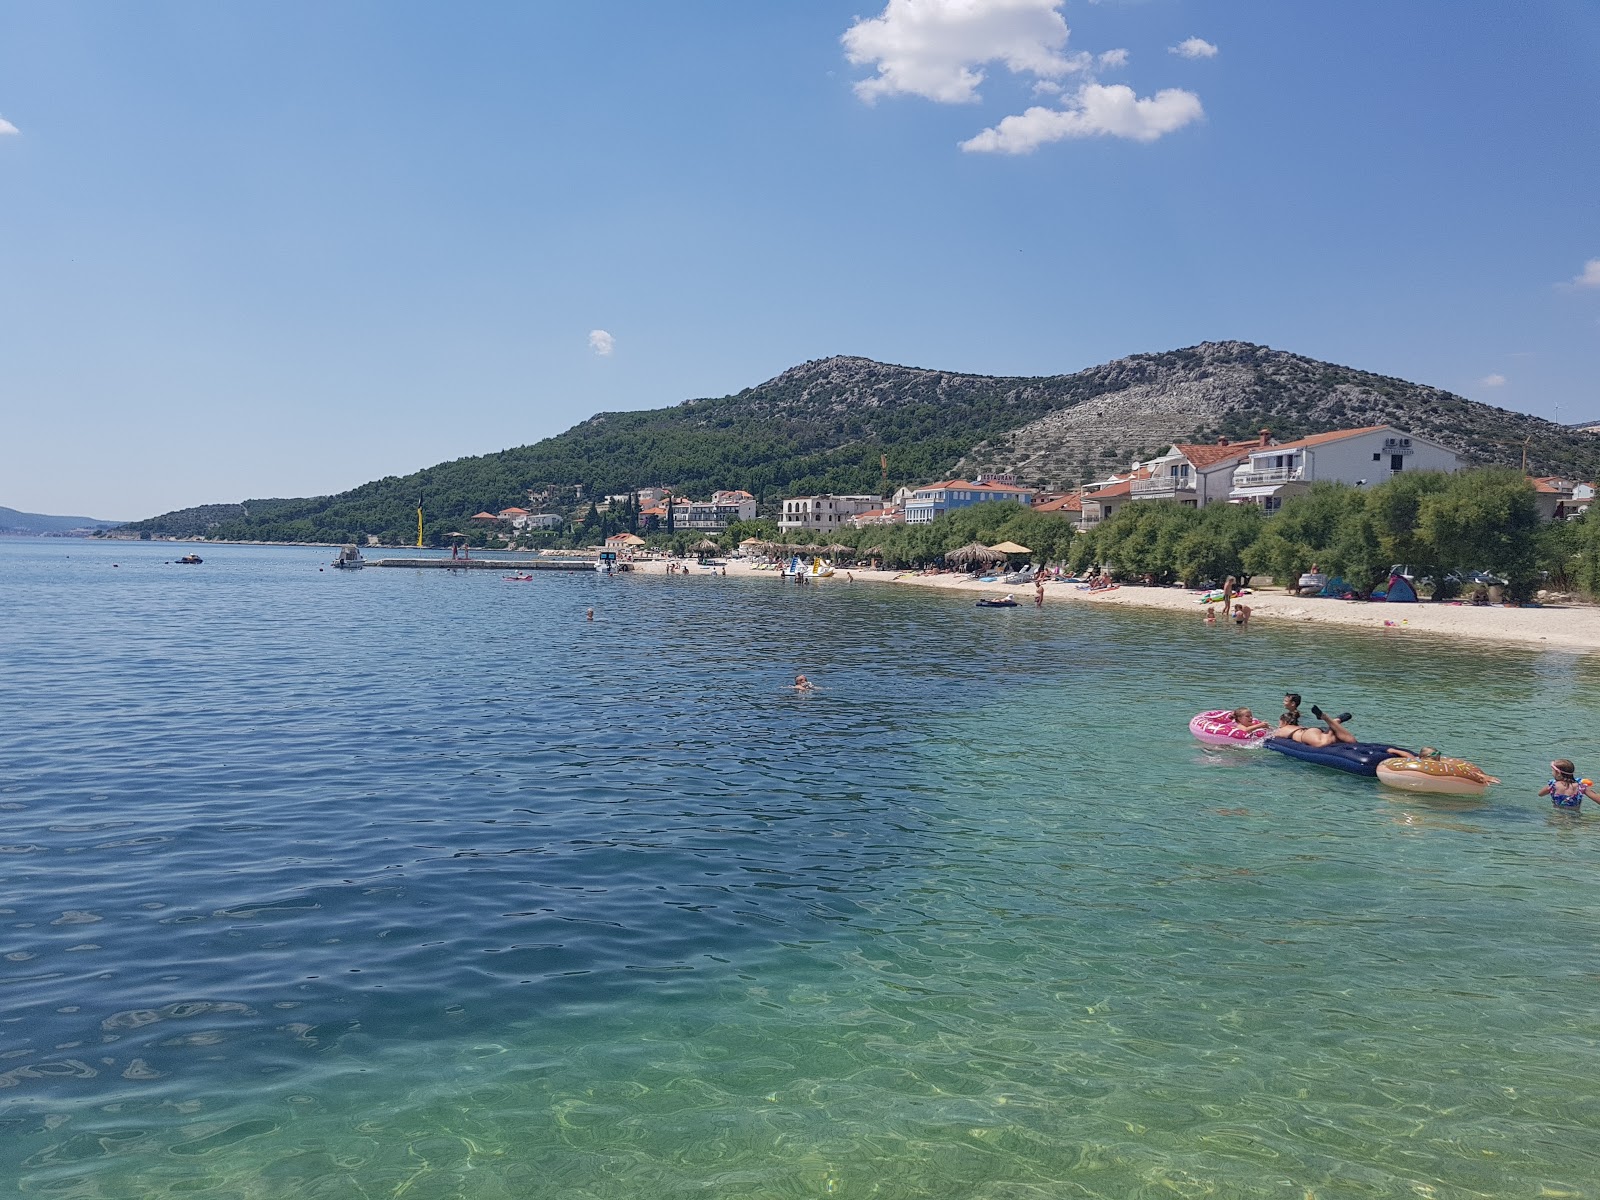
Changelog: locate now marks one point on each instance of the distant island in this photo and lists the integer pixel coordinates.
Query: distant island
(852, 425)
(15, 523)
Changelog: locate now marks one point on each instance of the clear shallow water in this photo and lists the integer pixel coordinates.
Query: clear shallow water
(416, 884)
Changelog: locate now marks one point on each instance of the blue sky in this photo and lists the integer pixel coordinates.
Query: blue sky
(282, 249)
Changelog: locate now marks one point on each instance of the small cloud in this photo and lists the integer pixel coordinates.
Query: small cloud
(1112, 59)
(1194, 48)
(1047, 87)
(1098, 110)
(601, 342)
(6, 127)
(1586, 278)
(937, 48)
(1492, 381)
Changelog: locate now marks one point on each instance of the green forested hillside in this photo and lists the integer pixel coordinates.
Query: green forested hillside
(821, 426)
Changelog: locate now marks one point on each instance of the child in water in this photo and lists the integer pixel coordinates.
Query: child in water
(1291, 709)
(1211, 614)
(1565, 789)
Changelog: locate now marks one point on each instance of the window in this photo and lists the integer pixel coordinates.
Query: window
(1397, 462)
(1377, 456)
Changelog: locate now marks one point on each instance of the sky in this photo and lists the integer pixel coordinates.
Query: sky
(253, 250)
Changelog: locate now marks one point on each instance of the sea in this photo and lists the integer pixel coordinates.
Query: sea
(417, 883)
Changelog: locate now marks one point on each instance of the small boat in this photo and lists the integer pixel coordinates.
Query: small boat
(1359, 758)
(1441, 776)
(1005, 602)
(192, 560)
(528, 578)
(349, 559)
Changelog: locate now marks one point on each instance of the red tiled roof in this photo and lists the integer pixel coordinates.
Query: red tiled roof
(1318, 439)
(1209, 455)
(1553, 485)
(1112, 491)
(515, 512)
(484, 516)
(1071, 502)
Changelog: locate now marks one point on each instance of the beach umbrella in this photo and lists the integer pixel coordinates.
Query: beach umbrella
(707, 546)
(972, 552)
(1010, 548)
(838, 548)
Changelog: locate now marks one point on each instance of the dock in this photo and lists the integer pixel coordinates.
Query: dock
(492, 564)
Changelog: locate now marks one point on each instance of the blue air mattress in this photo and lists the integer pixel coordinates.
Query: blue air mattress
(1359, 758)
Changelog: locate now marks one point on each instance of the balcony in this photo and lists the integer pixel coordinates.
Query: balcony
(1277, 475)
(1163, 486)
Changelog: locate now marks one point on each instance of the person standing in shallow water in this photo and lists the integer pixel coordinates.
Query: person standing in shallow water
(1566, 791)
(1038, 591)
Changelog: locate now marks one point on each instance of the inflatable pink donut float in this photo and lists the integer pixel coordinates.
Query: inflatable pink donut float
(1216, 727)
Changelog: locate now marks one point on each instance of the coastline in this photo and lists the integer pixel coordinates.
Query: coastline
(1570, 627)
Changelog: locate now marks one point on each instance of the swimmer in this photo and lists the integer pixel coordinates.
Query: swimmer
(1565, 789)
(591, 614)
(1291, 709)
(1211, 614)
(802, 684)
(1245, 720)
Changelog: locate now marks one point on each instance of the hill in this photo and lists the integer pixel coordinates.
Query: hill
(821, 426)
(14, 522)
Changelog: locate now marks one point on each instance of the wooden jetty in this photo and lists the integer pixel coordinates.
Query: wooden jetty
(492, 564)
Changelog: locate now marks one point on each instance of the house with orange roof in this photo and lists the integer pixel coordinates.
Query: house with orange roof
(889, 514)
(1101, 500)
(484, 516)
(1561, 499)
(933, 500)
(1370, 455)
(1068, 505)
(1195, 474)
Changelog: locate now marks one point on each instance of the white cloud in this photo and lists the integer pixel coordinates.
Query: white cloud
(1112, 59)
(601, 342)
(1097, 110)
(7, 127)
(1589, 276)
(1194, 48)
(1492, 381)
(936, 48)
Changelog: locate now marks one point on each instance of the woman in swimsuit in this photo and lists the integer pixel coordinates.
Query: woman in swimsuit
(1319, 738)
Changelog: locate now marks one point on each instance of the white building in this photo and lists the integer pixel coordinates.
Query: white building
(1359, 457)
(714, 514)
(1193, 474)
(824, 512)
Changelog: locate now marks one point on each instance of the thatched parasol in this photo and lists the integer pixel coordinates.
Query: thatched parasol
(838, 548)
(972, 552)
(1010, 548)
(706, 546)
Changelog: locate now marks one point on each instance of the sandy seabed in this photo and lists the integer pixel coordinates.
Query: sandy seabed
(1563, 627)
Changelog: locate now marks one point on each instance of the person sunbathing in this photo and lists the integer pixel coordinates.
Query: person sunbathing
(1334, 734)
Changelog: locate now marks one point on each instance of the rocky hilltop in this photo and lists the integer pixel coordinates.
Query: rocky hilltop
(822, 426)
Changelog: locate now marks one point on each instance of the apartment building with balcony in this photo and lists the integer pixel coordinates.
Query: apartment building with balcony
(825, 512)
(935, 499)
(1358, 457)
(1192, 473)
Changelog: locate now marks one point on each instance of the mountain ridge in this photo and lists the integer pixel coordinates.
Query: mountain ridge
(14, 521)
(821, 425)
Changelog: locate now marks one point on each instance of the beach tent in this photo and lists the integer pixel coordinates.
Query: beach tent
(1337, 589)
(1401, 590)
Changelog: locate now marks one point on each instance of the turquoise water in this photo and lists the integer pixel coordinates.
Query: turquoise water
(417, 884)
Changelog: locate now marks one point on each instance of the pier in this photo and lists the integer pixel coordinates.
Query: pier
(492, 564)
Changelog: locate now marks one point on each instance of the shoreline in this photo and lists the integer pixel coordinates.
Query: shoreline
(1569, 627)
